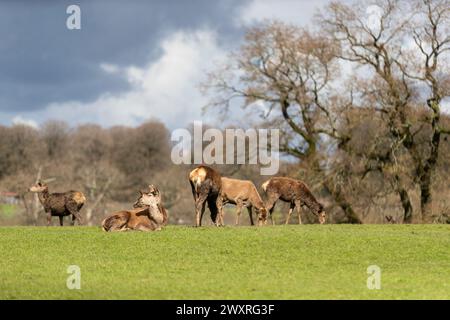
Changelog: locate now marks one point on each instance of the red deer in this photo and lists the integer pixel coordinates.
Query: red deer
(148, 214)
(59, 204)
(206, 185)
(243, 193)
(153, 197)
(294, 192)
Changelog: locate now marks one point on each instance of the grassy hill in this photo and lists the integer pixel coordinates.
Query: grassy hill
(282, 262)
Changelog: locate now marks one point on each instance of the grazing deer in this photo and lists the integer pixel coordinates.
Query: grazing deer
(59, 204)
(243, 193)
(294, 192)
(206, 186)
(146, 216)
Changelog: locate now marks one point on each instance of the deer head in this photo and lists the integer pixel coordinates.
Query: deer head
(321, 214)
(262, 216)
(153, 190)
(40, 186)
(151, 197)
(322, 217)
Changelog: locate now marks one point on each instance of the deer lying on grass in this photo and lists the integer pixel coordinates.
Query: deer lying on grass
(206, 185)
(59, 204)
(243, 193)
(294, 192)
(148, 214)
(152, 198)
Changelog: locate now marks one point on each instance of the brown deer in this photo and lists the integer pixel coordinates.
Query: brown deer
(243, 193)
(294, 192)
(159, 213)
(206, 186)
(59, 204)
(146, 216)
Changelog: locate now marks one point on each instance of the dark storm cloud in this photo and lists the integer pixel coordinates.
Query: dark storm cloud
(41, 61)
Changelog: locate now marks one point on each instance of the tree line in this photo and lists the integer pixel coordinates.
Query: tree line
(359, 99)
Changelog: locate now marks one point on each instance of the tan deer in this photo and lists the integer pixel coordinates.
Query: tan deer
(148, 214)
(243, 193)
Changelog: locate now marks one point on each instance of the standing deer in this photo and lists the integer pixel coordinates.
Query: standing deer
(206, 186)
(243, 193)
(148, 214)
(296, 193)
(59, 204)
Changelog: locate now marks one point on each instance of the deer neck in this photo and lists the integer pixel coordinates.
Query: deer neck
(313, 205)
(163, 213)
(43, 196)
(156, 213)
(256, 201)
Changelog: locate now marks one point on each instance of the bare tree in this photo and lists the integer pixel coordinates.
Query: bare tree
(378, 43)
(55, 135)
(288, 71)
(91, 166)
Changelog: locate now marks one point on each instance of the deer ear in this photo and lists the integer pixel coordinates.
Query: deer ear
(140, 192)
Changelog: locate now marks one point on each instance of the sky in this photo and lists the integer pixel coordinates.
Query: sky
(131, 61)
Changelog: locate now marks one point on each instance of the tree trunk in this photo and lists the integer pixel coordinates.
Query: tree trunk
(406, 204)
(405, 201)
(426, 199)
(97, 199)
(89, 213)
(342, 202)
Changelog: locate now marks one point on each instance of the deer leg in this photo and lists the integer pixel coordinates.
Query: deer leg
(61, 222)
(200, 209)
(291, 208)
(250, 213)
(72, 223)
(72, 207)
(238, 212)
(271, 205)
(49, 219)
(120, 228)
(299, 211)
(194, 193)
(202, 212)
(213, 205)
(219, 207)
(143, 227)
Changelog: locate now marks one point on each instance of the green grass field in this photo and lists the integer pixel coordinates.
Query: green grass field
(293, 262)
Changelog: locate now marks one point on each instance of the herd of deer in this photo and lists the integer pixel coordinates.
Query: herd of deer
(208, 187)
